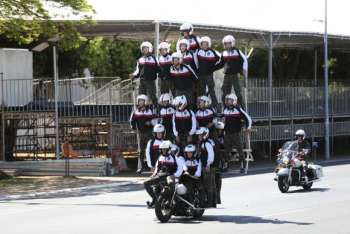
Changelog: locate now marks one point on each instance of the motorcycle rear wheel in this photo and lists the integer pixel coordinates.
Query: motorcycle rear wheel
(197, 214)
(163, 212)
(307, 186)
(198, 201)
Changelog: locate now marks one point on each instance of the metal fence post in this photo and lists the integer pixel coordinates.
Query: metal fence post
(326, 104)
(56, 100)
(3, 158)
(270, 91)
(110, 126)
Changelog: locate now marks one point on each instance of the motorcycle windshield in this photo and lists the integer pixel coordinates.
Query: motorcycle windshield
(290, 145)
(290, 149)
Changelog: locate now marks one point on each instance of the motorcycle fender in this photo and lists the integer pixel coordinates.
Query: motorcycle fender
(283, 172)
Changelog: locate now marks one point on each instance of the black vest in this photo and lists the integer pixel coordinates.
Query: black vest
(169, 168)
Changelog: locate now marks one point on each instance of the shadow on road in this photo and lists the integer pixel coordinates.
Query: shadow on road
(237, 219)
(311, 190)
(84, 192)
(248, 219)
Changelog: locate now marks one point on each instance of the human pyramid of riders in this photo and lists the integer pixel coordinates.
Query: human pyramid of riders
(185, 136)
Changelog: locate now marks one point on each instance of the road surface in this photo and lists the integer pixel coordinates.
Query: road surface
(251, 204)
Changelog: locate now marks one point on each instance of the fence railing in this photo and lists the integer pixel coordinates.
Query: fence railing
(109, 96)
(112, 98)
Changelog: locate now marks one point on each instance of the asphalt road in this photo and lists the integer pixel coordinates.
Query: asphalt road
(251, 204)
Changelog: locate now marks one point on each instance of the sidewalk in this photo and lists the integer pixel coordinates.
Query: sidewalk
(53, 187)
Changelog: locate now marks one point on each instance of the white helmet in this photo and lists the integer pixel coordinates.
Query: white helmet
(177, 55)
(231, 96)
(141, 97)
(165, 145)
(229, 39)
(204, 99)
(207, 40)
(190, 149)
(186, 27)
(164, 45)
(164, 98)
(183, 41)
(301, 133)
(219, 125)
(158, 128)
(203, 131)
(175, 149)
(148, 45)
(180, 101)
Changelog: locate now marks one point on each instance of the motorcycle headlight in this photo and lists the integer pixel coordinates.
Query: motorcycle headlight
(181, 189)
(285, 160)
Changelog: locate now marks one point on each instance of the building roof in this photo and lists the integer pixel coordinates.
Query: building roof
(169, 30)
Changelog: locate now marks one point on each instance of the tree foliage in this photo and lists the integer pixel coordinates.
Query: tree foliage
(102, 56)
(25, 21)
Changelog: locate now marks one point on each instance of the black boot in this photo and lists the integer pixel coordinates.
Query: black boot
(139, 171)
(151, 204)
(241, 169)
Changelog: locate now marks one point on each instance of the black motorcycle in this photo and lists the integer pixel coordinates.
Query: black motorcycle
(176, 199)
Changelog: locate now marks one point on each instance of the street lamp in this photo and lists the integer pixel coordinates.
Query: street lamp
(326, 88)
(326, 91)
(39, 48)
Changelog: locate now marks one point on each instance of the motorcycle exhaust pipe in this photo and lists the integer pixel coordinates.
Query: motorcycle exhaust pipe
(192, 206)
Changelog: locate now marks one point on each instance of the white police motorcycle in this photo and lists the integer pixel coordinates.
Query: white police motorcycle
(289, 169)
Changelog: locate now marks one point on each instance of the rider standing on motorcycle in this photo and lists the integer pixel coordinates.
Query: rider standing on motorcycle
(219, 155)
(205, 114)
(304, 149)
(234, 115)
(166, 112)
(141, 121)
(184, 122)
(189, 57)
(147, 69)
(166, 165)
(152, 148)
(186, 30)
(165, 62)
(206, 154)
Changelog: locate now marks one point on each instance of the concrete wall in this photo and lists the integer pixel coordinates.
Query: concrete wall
(17, 68)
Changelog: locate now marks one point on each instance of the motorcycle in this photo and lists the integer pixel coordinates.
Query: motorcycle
(175, 199)
(289, 170)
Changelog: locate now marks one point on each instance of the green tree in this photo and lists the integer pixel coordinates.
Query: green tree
(25, 21)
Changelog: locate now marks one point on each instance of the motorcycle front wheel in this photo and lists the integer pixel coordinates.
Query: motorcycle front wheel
(283, 184)
(163, 209)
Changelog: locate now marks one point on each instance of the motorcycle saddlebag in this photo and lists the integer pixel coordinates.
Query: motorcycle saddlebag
(317, 170)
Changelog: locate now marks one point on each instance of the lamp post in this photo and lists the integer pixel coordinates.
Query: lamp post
(39, 48)
(326, 91)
